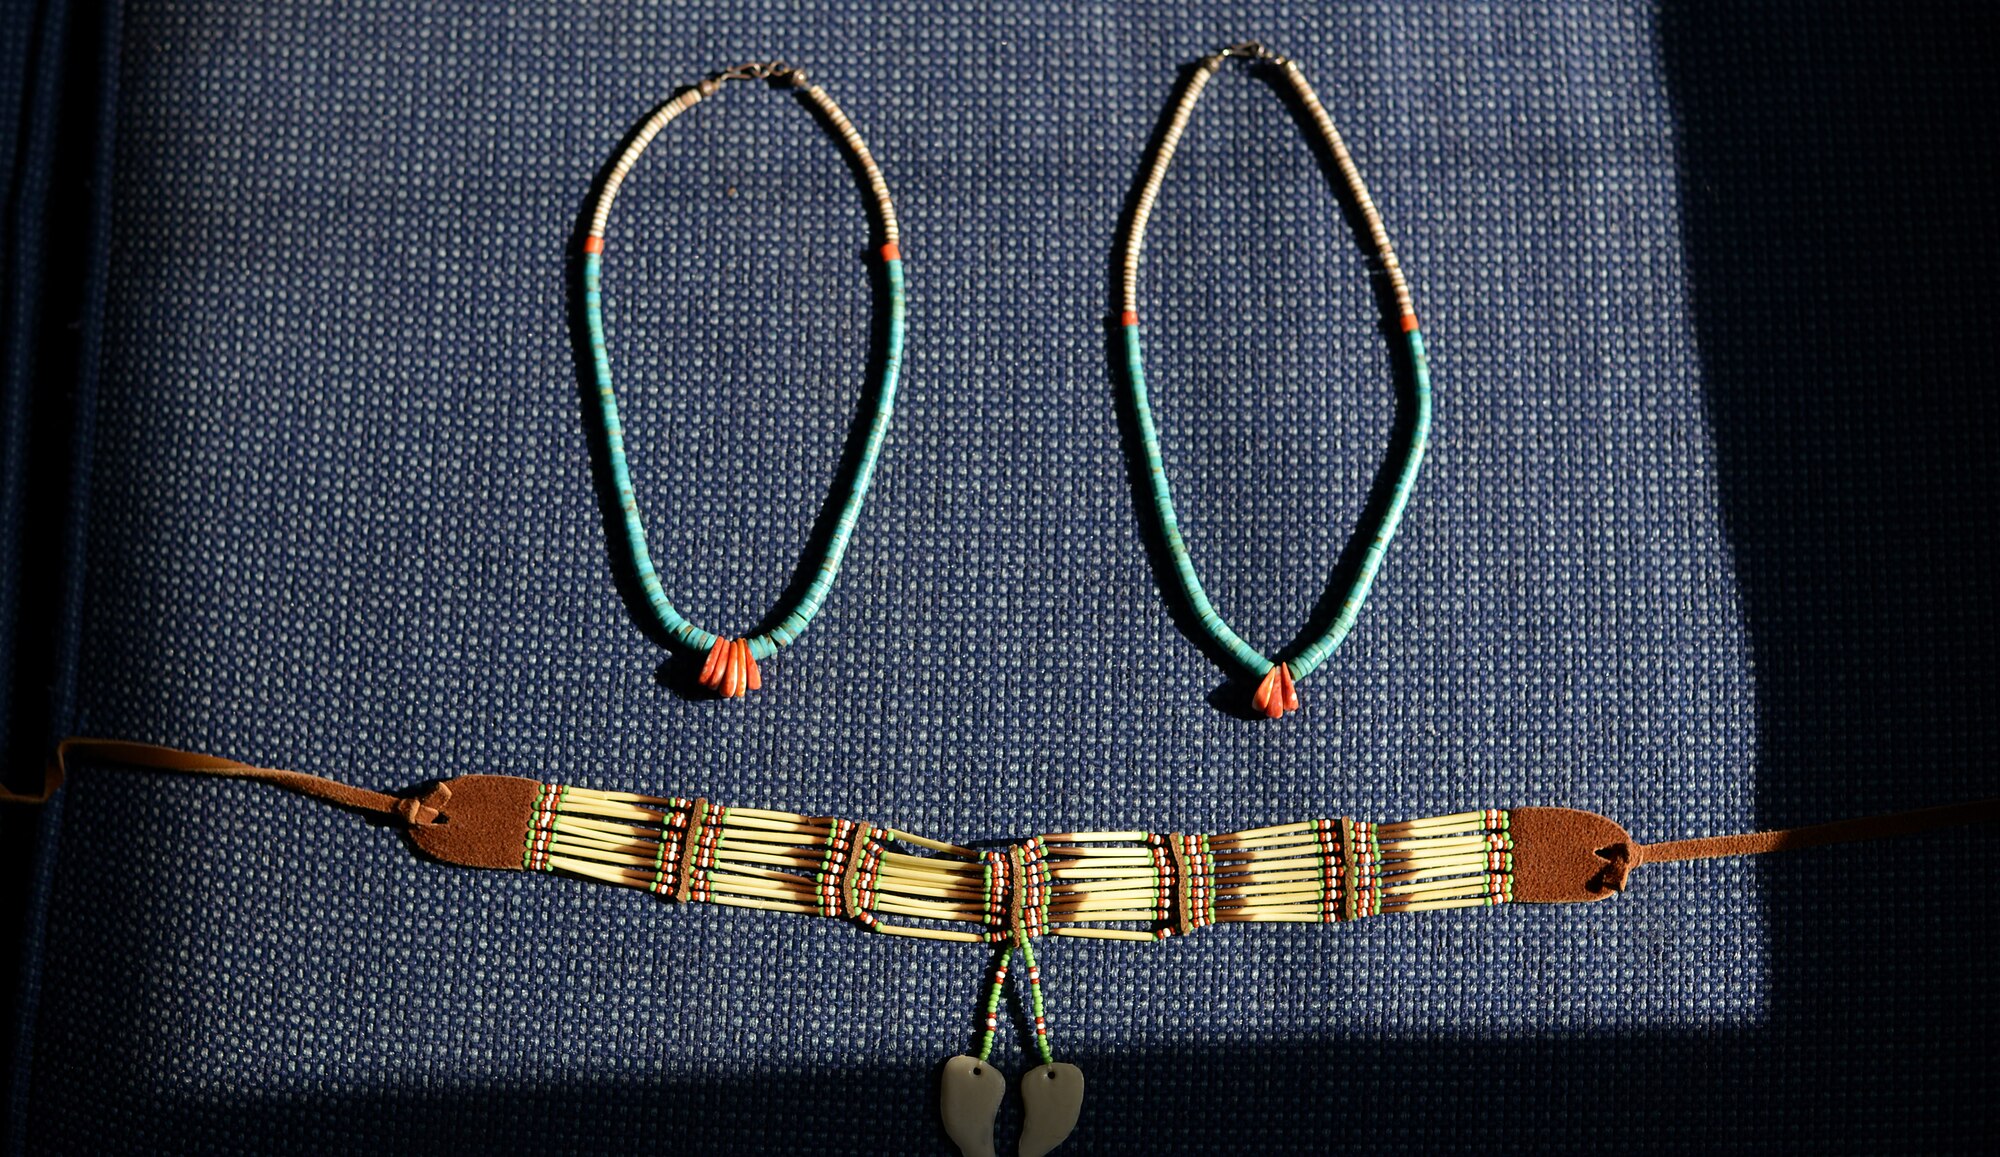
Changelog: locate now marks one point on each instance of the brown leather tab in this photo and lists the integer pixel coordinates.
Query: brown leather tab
(850, 871)
(483, 821)
(691, 849)
(1183, 885)
(1565, 856)
(1562, 855)
(1017, 916)
(1350, 875)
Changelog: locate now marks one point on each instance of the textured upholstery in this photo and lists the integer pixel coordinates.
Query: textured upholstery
(1704, 544)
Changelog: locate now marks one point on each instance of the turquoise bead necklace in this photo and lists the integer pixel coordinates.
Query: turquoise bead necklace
(1276, 691)
(731, 668)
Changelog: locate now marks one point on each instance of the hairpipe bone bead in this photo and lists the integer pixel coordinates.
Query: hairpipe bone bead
(1276, 691)
(730, 669)
(1100, 885)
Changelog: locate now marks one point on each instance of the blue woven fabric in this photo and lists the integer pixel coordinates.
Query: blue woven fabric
(1703, 544)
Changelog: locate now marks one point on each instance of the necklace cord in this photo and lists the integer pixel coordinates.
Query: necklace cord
(1275, 694)
(731, 668)
(1170, 138)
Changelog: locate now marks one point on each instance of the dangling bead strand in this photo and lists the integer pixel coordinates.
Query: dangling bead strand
(1276, 693)
(989, 1016)
(1035, 992)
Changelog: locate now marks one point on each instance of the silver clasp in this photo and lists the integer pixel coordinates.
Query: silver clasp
(1252, 50)
(775, 71)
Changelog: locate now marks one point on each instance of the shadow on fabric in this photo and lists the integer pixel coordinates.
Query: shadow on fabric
(1835, 198)
(49, 341)
(1842, 277)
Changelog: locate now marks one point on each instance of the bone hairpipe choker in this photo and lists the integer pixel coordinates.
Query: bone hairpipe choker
(1107, 885)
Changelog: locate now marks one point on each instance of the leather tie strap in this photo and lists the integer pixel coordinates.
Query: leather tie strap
(1567, 856)
(1560, 855)
(417, 812)
(1837, 832)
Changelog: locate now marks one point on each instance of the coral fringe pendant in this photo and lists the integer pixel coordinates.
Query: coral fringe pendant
(1277, 694)
(730, 670)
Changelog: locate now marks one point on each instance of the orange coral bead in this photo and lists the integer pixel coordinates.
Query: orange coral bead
(1268, 699)
(732, 680)
(755, 677)
(711, 671)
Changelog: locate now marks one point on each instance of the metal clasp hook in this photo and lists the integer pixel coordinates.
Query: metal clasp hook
(1253, 50)
(776, 71)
